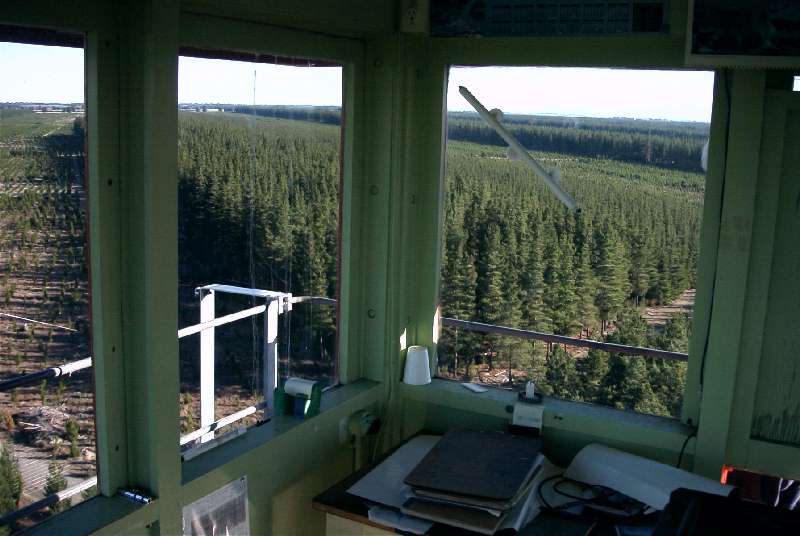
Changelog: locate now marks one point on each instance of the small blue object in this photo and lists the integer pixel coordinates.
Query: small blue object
(134, 497)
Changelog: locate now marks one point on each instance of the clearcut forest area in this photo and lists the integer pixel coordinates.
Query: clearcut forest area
(266, 181)
(43, 277)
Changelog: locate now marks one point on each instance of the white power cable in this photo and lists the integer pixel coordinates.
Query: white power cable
(38, 322)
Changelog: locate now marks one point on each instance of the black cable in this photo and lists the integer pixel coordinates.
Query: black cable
(542, 500)
(567, 495)
(683, 448)
(599, 504)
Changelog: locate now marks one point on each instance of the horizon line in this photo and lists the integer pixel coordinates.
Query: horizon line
(338, 107)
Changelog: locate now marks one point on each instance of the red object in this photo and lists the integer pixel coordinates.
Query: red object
(726, 470)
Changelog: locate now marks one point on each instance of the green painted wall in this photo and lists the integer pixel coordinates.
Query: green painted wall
(777, 408)
(394, 136)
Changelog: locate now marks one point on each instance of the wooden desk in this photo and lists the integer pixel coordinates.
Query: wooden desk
(346, 514)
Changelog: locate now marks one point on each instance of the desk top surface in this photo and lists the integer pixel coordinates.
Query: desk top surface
(337, 501)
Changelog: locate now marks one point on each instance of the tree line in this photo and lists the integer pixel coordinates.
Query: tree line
(670, 144)
(675, 147)
(329, 115)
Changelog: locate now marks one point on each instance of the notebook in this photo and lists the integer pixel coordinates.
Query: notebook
(481, 502)
(491, 466)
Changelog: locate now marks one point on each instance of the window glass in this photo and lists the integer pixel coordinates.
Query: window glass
(629, 146)
(47, 426)
(259, 179)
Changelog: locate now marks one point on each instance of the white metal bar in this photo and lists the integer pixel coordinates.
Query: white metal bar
(75, 366)
(204, 447)
(551, 179)
(277, 303)
(207, 312)
(318, 300)
(216, 425)
(216, 322)
(74, 490)
(47, 501)
(244, 291)
(9, 315)
(52, 372)
(270, 364)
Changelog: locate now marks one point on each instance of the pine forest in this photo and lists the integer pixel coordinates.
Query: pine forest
(259, 207)
(514, 256)
(622, 270)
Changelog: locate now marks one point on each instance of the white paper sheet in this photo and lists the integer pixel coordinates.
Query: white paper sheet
(384, 484)
(474, 387)
(645, 480)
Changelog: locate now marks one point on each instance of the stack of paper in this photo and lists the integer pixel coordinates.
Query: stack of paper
(475, 480)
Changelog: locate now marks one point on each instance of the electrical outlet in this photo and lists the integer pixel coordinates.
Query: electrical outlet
(529, 415)
(411, 16)
(414, 16)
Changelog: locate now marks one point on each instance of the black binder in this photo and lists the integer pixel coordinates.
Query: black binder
(484, 465)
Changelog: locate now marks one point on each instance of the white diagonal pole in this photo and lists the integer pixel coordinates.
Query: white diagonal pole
(551, 179)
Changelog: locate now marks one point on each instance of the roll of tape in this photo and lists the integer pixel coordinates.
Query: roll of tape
(298, 386)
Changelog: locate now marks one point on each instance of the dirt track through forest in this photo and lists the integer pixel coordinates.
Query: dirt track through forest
(658, 315)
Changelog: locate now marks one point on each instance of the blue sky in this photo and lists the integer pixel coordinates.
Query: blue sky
(54, 74)
(204, 80)
(646, 94)
(33, 73)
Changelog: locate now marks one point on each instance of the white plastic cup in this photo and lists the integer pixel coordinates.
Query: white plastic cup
(418, 369)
